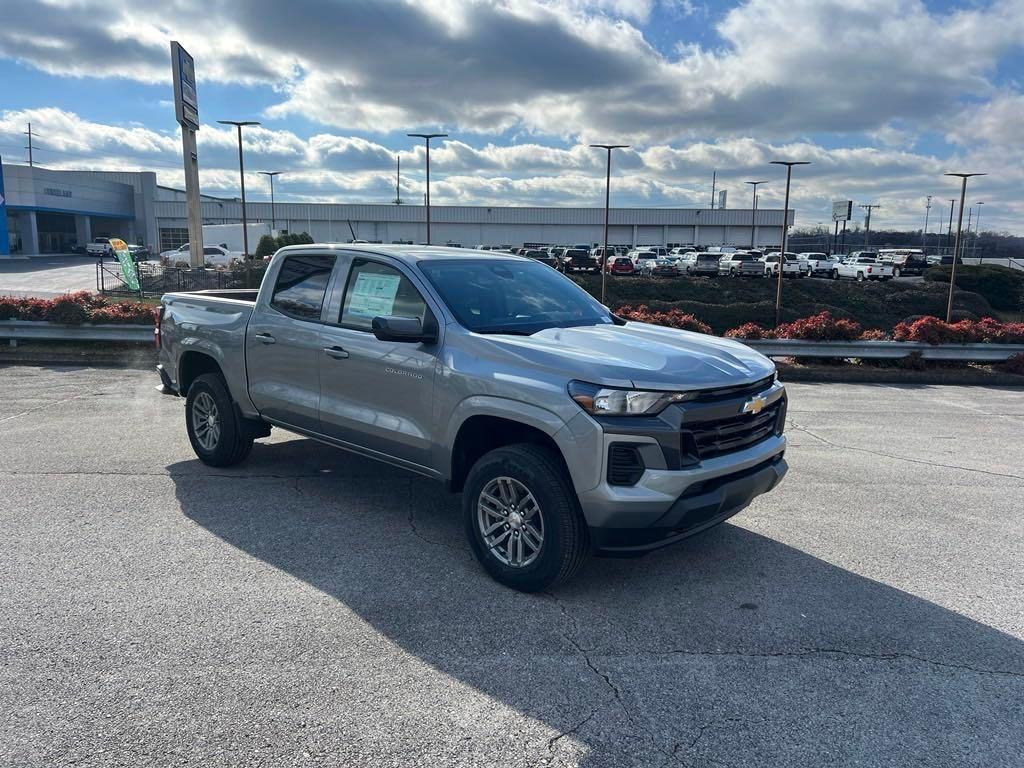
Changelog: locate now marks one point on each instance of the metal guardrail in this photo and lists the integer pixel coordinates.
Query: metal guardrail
(891, 350)
(46, 331)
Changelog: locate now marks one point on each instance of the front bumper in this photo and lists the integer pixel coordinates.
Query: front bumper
(680, 492)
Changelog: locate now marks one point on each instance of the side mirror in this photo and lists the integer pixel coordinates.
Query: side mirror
(404, 329)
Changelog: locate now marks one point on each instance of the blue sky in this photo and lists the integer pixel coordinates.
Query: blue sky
(882, 96)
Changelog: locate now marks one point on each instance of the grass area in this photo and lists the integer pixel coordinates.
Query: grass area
(725, 303)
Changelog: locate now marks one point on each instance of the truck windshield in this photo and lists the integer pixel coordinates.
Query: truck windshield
(511, 296)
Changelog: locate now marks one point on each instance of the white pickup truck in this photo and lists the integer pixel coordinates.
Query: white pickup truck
(861, 266)
(99, 247)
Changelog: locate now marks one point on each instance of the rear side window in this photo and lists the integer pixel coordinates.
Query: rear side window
(302, 284)
(377, 290)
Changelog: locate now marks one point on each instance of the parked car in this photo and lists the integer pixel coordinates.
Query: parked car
(491, 375)
(579, 260)
(740, 264)
(99, 247)
(544, 257)
(905, 261)
(697, 263)
(862, 265)
(139, 252)
(598, 253)
(642, 259)
(661, 268)
(213, 256)
(792, 265)
(819, 263)
(621, 265)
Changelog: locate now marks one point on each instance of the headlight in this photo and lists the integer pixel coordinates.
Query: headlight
(607, 401)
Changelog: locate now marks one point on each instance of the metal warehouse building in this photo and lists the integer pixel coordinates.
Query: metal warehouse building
(50, 211)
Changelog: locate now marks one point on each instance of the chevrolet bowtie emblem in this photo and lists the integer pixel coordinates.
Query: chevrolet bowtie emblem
(754, 405)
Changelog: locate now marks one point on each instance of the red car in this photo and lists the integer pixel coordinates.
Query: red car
(621, 265)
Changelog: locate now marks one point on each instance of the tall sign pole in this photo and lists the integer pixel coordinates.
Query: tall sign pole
(186, 110)
(5, 243)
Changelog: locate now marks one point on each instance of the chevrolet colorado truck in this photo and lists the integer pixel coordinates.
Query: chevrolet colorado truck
(568, 430)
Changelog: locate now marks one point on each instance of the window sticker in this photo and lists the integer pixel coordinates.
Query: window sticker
(373, 295)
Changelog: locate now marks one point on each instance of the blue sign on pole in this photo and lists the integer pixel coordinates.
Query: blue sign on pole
(5, 244)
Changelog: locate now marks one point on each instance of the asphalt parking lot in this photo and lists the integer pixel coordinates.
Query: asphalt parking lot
(313, 608)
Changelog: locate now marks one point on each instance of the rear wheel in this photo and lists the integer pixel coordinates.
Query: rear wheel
(860, 277)
(835, 274)
(522, 518)
(214, 428)
(896, 272)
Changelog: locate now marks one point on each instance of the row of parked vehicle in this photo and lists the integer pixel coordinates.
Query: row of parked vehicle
(725, 261)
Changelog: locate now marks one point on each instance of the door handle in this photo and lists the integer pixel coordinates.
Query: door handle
(266, 338)
(336, 352)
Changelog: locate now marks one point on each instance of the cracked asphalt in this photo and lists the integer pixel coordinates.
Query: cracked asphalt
(311, 608)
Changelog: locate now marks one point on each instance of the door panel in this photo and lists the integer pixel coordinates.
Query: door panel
(282, 342)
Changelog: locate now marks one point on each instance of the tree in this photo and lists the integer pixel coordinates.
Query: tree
(267, 247)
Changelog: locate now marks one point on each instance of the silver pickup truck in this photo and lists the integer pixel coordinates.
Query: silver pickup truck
(568, 431)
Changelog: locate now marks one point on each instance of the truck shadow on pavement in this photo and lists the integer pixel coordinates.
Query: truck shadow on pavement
(728, 649)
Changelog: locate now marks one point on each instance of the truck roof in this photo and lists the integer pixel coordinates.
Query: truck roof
(408, 253)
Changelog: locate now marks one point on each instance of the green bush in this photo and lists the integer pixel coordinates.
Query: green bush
(1002, 287)
(267, 247)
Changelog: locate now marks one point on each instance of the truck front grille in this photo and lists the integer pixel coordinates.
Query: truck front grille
(707, 439)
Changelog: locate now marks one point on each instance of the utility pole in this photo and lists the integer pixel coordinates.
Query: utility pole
(603, 262)
(867, 222)
(927, 210)
(977, 229)
(270, 175)
(753, 210)
(29, 147)
(426, 199)
(714, 180)
(956, 249)
(949, 230)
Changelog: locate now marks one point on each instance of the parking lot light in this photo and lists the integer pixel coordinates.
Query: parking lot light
(426, 198)
(241, 174)
(956, 248)
(753, 209)
(270, 175)
(607, 197)
(785, 232)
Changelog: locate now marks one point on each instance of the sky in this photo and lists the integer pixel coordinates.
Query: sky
(881, 96)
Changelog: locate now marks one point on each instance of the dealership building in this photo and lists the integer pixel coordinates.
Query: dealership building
(50, 211)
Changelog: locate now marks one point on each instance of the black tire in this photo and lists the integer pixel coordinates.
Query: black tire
(835, 274)
(896, 272)
(565, 541)
(231, 445)
(860, 277)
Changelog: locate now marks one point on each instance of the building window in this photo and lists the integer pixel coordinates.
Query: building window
(173, 237)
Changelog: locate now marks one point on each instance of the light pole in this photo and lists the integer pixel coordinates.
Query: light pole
(867, 222)
(753, 209)
(785, 231)
(426, 200)
(956, 249)
(241, 174)
(607, 198)
(273, 218)
(927, 210)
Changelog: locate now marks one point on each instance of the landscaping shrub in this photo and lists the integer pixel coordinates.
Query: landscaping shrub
(1002, 287)
(932, 330)
(820, 327)
(267, 247)
(75, 309)
(672, 319)
(750, 331)
(874, 334)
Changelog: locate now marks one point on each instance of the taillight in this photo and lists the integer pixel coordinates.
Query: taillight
(156, 330)
(869, 270)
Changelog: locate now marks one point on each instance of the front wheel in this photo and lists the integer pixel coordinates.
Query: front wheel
(860, 277)
(522, 518)
(896, 272)
(835, 274)
(213, 424)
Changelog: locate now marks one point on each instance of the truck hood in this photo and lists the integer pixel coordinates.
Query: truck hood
(640, 355)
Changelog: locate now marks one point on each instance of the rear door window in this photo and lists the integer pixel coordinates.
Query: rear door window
(302, 284)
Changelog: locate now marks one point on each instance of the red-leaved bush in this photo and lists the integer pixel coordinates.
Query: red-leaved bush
(874, 334)
(820, 327)
(932, 330)
(75, 309)
(673, 318)
(750, 331)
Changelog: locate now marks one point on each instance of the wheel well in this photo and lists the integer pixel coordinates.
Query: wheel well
(480, 434)
(193, 365)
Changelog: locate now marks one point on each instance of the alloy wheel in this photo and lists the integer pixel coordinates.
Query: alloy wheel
(206, 421)
(510, 521)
